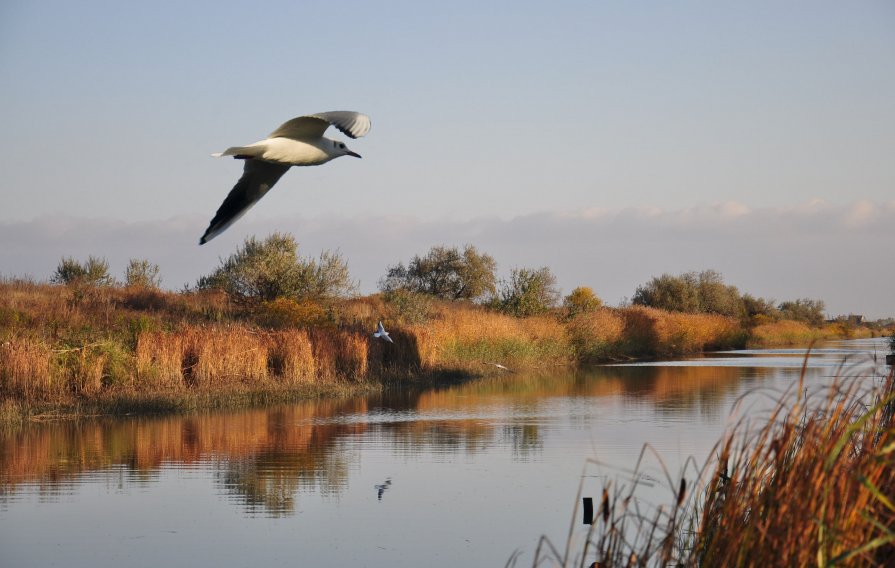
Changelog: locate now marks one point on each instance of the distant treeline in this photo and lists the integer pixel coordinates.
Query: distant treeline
(271, 269)
(268, 323)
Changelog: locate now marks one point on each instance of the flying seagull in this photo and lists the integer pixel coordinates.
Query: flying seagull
(297, 142)
(380, 332)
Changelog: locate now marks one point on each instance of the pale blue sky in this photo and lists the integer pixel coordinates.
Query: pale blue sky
(480, 110)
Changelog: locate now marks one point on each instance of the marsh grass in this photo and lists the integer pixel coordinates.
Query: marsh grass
(65, 345)
(799, 333)
(813, 485)
(25, 370)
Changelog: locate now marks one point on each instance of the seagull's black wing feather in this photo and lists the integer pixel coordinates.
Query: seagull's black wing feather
(257, 179)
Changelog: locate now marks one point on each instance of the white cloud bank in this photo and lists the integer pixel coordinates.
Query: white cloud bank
(842, 254)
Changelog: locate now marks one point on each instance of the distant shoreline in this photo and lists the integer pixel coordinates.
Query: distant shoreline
(68, 353)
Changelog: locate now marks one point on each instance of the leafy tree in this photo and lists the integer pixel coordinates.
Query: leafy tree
(528, 292)
(445, 273)
(270, 269)
(716, 297)
(667, 292)
(582, 300)
(760, 308)
(803, 309)
(140, 273)
(94, 272)
(693, 292)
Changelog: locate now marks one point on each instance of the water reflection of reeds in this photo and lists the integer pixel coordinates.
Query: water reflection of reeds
(264, 459)
(263, 451)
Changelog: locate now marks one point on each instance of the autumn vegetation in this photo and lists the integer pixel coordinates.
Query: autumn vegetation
(270, 323)
(811, 485)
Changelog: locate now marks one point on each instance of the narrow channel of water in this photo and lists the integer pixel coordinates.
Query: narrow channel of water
(462, 475)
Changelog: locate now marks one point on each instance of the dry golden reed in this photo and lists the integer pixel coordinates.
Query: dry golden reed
(291, 357)
(782, 333)
(464, 335)
(812, 486)
(87, 372)
(656, 331)
(25, 370)
(340, 354)
(62, 344)
(159, 360)
(225, 356)
(596, 335)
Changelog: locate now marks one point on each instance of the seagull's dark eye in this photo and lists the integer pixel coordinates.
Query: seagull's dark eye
(342, 146)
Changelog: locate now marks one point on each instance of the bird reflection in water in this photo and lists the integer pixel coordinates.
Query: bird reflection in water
(380, 489)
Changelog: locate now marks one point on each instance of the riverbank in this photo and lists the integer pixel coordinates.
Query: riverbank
(69, 351)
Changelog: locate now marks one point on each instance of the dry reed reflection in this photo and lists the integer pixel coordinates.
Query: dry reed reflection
(266, 457)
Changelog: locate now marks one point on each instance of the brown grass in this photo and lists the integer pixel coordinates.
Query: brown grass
(74, 345)
(653, 331)
(464, 335)
(814, 486)
(224, 357)
(159, 360)
(783, 333)
(25, 370)
(817, 482)
(291, 357)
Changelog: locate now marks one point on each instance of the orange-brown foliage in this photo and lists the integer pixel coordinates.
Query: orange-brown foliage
(25, 370)
(159, 360)
(674, 333)
(292, 357)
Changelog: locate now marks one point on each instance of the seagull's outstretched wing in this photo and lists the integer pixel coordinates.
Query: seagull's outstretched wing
(380, 332)
(257, 179)
(352, 124)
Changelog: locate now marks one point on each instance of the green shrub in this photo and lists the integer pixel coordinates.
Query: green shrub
(582, 300)
(528, 292)
(803, 309)
(445, 273)
(140, 273)
(94, 272)
(263, 271)
(691, 292)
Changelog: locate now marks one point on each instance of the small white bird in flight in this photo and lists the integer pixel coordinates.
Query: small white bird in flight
(380, 332)
(297, 142)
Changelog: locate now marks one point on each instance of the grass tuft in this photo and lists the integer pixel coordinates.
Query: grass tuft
(814, 485)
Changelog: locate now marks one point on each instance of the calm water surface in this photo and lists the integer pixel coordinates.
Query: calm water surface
(462, 475)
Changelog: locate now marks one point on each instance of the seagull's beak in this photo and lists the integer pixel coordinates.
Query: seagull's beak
(350, 153)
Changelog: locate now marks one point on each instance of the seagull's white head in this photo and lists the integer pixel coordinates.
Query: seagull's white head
(338, 148)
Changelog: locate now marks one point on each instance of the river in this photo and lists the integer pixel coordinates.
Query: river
(462, 475)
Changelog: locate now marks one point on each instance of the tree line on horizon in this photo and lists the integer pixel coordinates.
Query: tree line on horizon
(271, 269)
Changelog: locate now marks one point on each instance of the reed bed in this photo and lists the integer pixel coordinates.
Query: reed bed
(466, 335)
(783, 333)
(25, 370)
(649, 331)
(291, 357)
(63, 345)
(813, 485)
(159, 360)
